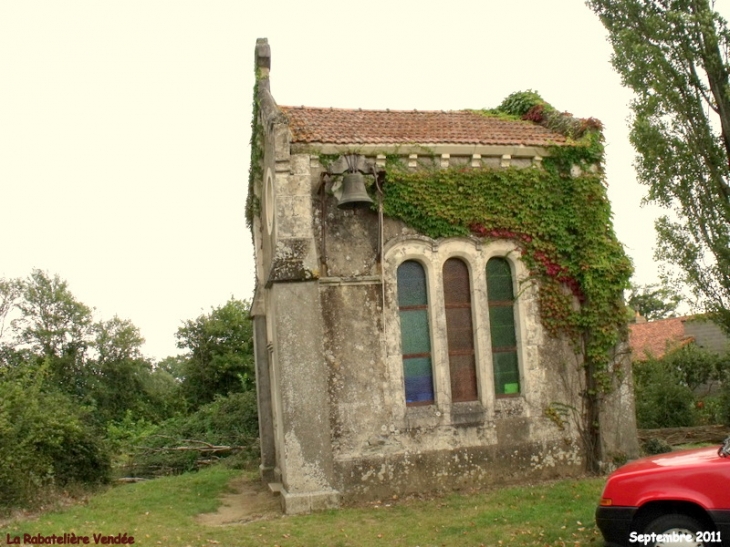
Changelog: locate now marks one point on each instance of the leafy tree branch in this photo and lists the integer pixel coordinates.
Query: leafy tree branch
(673, 55)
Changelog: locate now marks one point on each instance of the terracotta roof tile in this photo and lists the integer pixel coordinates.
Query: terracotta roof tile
(657, 338)
(342, 126)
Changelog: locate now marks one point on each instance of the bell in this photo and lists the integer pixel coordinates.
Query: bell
(353, 192)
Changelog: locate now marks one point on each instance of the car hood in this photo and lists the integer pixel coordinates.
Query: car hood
(699, 476)
(686, 458)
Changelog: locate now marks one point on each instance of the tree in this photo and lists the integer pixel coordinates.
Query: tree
(55, 326)
(10, 291)
(673, 55)
(174, 366)
(220, 353)
(117, 340)
(653, 301)
(118, 370)
(53, 322)
(99, 363)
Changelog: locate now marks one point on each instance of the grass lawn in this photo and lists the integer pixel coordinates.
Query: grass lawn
(161, 512)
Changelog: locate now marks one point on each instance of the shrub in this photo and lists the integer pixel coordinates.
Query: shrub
(677, 390)
(45, 440)
(661, 399)
(227, 421)
(656, 446)
(520, 102)
(724, 404)
(665, 404)
(695, 367)
(709, 410)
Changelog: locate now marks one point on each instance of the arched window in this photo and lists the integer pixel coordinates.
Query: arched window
(501, 298)
(459, 331)
(415, 337)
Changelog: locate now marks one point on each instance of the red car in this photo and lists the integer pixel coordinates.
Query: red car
(677, 499)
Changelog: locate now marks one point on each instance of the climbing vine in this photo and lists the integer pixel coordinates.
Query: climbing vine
(560, 220)
(255, 168)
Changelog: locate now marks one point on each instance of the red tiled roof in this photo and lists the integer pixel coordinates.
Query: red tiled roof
(657, 338)
(342, 126)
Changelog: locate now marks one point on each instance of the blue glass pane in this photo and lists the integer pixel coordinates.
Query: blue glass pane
(419, 389)
(411, 284)
(499, 280)
(414, 332)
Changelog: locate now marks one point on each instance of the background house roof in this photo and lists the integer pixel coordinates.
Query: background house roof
(343, 126)
(657, 338)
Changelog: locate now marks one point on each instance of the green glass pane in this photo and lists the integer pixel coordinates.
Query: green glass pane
(414, 332)
(411, 284)
(419, 366)
(506, 372)
(499, 280)
(502, 326)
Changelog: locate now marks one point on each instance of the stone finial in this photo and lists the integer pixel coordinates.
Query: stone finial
(263, 56)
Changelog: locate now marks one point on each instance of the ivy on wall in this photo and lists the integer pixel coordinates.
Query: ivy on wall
(560, 221)
(255, 167)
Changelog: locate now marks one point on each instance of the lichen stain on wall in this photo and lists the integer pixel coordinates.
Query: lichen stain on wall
(571, 455)
(309, 475)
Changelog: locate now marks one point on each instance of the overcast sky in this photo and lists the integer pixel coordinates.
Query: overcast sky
(125, 126)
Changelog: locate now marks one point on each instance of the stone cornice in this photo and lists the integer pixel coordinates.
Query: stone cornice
(423, 149)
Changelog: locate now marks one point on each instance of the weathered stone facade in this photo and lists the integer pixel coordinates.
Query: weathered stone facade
(335, 425)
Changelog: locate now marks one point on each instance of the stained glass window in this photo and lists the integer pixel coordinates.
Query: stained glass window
(500, 294)
(415, 336)
(459, 331)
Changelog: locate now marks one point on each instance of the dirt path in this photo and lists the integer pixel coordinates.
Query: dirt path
(250, 501)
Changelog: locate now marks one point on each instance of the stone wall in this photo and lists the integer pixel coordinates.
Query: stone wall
(381, 447)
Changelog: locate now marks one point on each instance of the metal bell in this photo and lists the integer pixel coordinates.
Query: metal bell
(354, 193)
